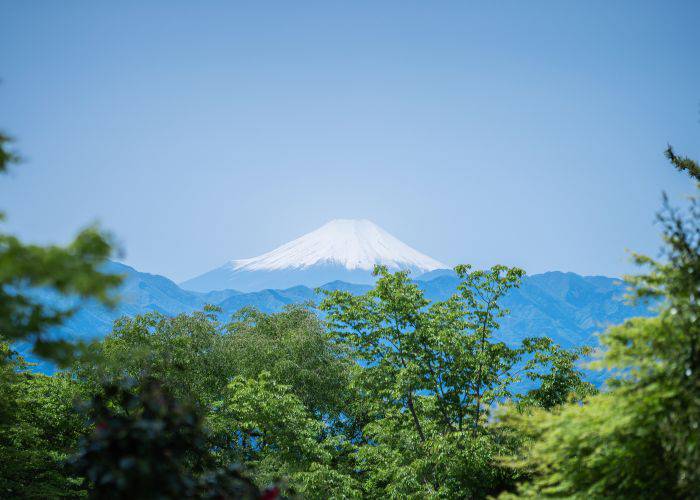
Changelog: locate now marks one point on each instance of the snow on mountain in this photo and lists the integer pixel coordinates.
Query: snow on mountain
(354, 244)
(342, 249)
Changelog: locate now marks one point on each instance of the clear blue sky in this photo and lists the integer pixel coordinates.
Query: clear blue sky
(528, 133)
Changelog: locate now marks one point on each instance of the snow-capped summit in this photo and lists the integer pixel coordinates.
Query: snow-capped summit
(342, 249)
(354, 244)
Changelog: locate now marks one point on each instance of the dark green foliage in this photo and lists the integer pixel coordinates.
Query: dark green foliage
(189, 353)
(7, 156)
(38, 431)
(145, 444)
(292, 347)
(683, 163)
(264, 385)
(561, 381)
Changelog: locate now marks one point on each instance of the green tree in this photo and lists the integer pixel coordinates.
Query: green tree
(190, 354)
(641, 437)
(275, 435)
(293, 348)
(196, 355)
(431, 373)
(39, 431)
(562, 380)
(146, 444)
(270, 387)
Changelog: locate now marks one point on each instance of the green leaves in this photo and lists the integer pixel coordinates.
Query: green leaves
(270, 422)
(430, 375)
(293, 347)
(72, 271)
(639, 438)
(264, 425)
(38, 431)
(7, 156)
(269, 388)
(683, 163)
(146, 444)
(188, 353)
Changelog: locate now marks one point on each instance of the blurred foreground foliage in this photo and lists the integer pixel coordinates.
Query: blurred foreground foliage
(640, 438)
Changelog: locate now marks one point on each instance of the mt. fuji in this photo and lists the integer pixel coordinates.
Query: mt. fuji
(342, 249)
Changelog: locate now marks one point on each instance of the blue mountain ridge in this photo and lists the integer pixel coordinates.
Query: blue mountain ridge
(569, 308)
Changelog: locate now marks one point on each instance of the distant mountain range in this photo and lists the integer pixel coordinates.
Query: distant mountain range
(569, 308)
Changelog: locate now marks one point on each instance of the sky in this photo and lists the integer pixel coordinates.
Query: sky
(522, 133)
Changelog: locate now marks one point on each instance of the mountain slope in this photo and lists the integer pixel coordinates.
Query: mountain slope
(342, 249)
(139, 293)
(567, 307)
